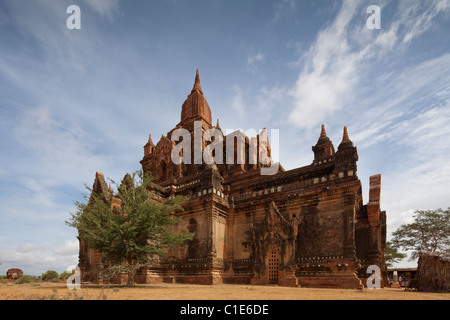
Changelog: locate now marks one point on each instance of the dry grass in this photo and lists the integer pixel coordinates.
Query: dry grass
(59, 291)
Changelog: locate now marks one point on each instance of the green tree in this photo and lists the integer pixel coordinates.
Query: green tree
(391, 255)
(430, 232)
(134, 234)
(50, 275)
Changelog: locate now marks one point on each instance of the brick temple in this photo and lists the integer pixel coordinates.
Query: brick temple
(305, 227)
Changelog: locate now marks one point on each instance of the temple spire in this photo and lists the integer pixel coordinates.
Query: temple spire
(197, 84)
(323, 136)
(195, 107)
(150, 141)
(346, 142)
(345, 136)
(324, 148)
(149, 146)
(323, 133)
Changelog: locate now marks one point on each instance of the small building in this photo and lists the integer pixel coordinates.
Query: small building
(401, 275)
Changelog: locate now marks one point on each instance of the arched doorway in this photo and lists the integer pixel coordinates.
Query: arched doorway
(163, 171)
(273, 264)
(193, 249)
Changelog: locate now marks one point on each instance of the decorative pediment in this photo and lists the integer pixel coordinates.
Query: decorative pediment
(165, 143)
(274, 227)
(101, 188)
(273, 216)
(162, 153)
(273, 231)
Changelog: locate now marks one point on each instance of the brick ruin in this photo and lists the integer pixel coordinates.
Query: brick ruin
(14, 273)
(304, 227)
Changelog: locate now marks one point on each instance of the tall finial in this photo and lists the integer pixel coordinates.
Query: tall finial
(323, 134)
(217, 125)
(323, 148)
(345, 137)
(150, 141)
(197, 84)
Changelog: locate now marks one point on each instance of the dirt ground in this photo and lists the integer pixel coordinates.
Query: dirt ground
(59, 291)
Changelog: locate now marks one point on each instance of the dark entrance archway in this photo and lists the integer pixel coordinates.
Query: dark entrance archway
(273, 265)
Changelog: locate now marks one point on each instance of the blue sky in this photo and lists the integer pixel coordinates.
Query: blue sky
(73, 102)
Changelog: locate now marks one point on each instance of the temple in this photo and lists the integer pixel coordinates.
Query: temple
(306, 227)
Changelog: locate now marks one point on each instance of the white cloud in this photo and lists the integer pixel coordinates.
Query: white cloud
(328, 74)
(60, 150)
(237, 101)
(344, 53)
(402, 113)
(411, 132)
(421, 186)
(105, 8)
(54, 124)
(335, 75)
(283, 8)
(417, 16)
(391, 110)
(253, 59)
(35, 259)
(44, 22)
(69, 248)
(267, 101)
(44, 179)
(259, 106)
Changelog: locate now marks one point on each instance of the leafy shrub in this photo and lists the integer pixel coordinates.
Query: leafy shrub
(50, 275)
(27, 279)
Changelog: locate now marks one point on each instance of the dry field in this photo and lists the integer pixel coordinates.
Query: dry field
(59, 291)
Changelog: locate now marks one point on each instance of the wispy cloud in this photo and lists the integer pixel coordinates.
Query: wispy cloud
(254, 59)
(55, 146)
(36, 259)
(259, 106)
(337, 64)
(237, 101)
(385, 119)
(356, 75)
(417, 16)
(105, 8)
(43, 24)
(76, 102)
(328, 74)
(282, 9)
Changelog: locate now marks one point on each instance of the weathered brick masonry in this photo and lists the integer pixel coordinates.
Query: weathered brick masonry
(303, 227)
